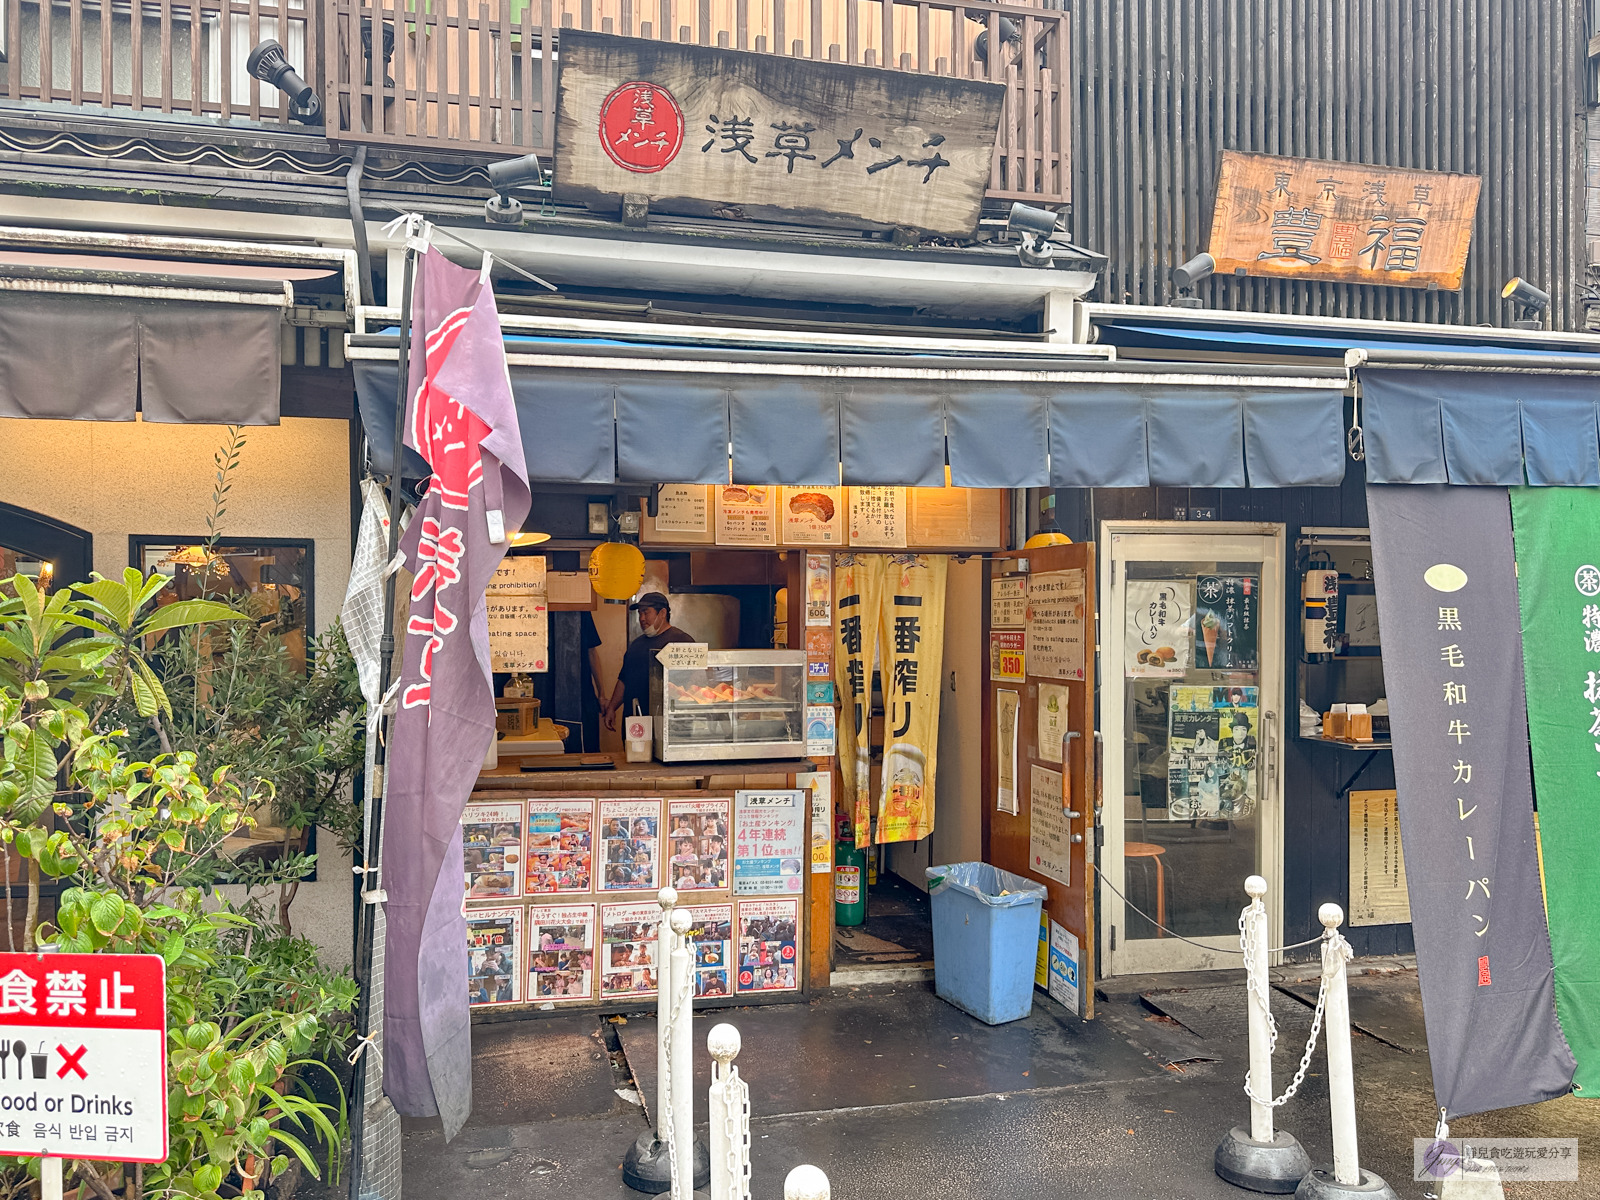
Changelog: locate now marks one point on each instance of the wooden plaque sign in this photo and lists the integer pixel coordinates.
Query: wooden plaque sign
(725, 133)
(1296, 218)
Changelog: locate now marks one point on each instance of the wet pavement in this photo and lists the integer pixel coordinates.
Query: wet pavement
(897, 1095)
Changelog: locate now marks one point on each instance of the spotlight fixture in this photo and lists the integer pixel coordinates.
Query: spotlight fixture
(1034, 225)
(503, 208)
(268, 63)
(1049, 533)
(1531, 303)
(1185, 277)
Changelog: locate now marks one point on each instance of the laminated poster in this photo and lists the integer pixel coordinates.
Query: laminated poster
(1378, 894)
(1158, 639)
(1052, 720)
(813, 517)
(1007, 705)
(820, 730)
(494, 945)
(519, 575)
(491, 835)
(821, 785)
(561, 953)
(1226, 622)
(819, 693)
(711, 947)
(747, 515)
(769, 843)
(1049, 836)
(560, 852)
(878, 517)
(819, 590)
(1008, 602)
(1007, 655)
(629, 849)
(819, 653)
(1212, 740)
(769, 937)
(519, 632)
(681, 508)
(1064, 960)
(697, 844)
(628, 949)
(1056, 624)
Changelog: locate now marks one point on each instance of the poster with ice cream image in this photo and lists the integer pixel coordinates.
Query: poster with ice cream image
(1159, 637)
(1225, 622)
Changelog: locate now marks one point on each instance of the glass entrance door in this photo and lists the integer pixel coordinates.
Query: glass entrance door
(1192, 703)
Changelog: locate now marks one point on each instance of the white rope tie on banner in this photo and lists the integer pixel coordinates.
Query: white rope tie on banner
(364, 1042)
(1259, 992)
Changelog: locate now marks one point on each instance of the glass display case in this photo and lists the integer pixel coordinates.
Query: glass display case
(742, 704)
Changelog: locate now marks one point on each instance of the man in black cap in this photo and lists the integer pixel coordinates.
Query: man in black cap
(633, 681)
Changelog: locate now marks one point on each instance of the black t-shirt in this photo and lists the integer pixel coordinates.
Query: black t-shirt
(636, 664)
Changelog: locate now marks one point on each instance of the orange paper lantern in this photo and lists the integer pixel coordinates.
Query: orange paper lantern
(616, 570)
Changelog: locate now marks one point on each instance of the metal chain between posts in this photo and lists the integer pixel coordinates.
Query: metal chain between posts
(1257, 989)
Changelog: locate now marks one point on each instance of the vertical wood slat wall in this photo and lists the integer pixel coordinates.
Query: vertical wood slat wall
(1487, 87)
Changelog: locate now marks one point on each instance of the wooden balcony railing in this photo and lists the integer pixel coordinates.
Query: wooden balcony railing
(155, 56)
(475, 76)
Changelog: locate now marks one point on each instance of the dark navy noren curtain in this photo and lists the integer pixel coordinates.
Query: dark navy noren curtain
(638, 426)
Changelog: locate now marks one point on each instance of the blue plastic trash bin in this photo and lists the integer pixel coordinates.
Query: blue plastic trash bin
(985, 939)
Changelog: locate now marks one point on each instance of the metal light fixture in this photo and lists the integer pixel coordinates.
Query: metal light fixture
(503, 208)
(1531, 303)
(268, 63)
(1049, 533)
(1034, 225)
(1185, 277)
(529, 537)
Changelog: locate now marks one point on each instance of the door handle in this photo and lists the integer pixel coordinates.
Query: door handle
(1269, 727)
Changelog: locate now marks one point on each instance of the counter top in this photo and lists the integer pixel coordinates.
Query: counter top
(612, 772)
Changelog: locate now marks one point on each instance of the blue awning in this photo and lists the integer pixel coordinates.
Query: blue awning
(1189, 337)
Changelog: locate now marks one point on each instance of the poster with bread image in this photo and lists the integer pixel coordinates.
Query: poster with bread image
(813, 516)
(1158, 640)
(746, 515)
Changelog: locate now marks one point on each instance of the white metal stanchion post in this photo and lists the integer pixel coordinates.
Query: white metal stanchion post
(682, 1049)
(648, 1164)
(1345, 1177)
(50, 1177)
(730, 1118)
(806, 1183)
(1262, 1159)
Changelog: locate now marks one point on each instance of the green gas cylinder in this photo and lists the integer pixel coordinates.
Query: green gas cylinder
(849, 883)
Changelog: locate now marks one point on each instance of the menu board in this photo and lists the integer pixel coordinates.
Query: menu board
(1008, 602)
(519, 632)
(681, 508)
(1049, 833)
(697, 844)
(519, 575)
(1055, 624)
(746, 515)
(711, 948)
(628, 949)
(821, 785)
(491, 836)
(629, 845)
(560, 850)
(878, 516)
(494, 937)
(1158, 638)
(819, 590)
(769, 842)
(769, 938)
(561, 953)
(813, 516)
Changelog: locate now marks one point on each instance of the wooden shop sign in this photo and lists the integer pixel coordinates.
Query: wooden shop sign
(1297, 218)
(726, 133)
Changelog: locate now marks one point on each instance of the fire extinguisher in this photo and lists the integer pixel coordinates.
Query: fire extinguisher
(1319, 591)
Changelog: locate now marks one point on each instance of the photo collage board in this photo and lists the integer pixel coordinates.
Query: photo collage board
(559, 894)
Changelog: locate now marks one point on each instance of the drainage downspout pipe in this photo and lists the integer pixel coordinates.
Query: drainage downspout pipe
(358, 222)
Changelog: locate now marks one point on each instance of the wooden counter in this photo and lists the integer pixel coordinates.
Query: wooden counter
(613, 773)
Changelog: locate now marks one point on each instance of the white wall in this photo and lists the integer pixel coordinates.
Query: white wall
(114, 479)
(958, 787)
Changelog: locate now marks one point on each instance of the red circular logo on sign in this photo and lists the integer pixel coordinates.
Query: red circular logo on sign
(746, 978)
(641, 127)
(788, 952)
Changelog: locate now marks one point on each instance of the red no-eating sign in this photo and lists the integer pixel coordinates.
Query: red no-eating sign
(83, 1056)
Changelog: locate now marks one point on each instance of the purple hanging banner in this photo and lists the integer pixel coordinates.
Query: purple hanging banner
(1452, 663)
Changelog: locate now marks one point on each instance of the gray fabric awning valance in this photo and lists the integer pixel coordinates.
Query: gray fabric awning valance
(1487, 428)
(81, 358)
(995, 428)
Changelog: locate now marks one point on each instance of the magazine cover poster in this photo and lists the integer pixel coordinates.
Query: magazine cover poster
(491, 835)
(1226, 622)
(494, 937)
(697, 844)
(711, 943)
(1212, 748)
(628, 949)
(629, 845)
(560, 854)
(561, 952)
(768, 937)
